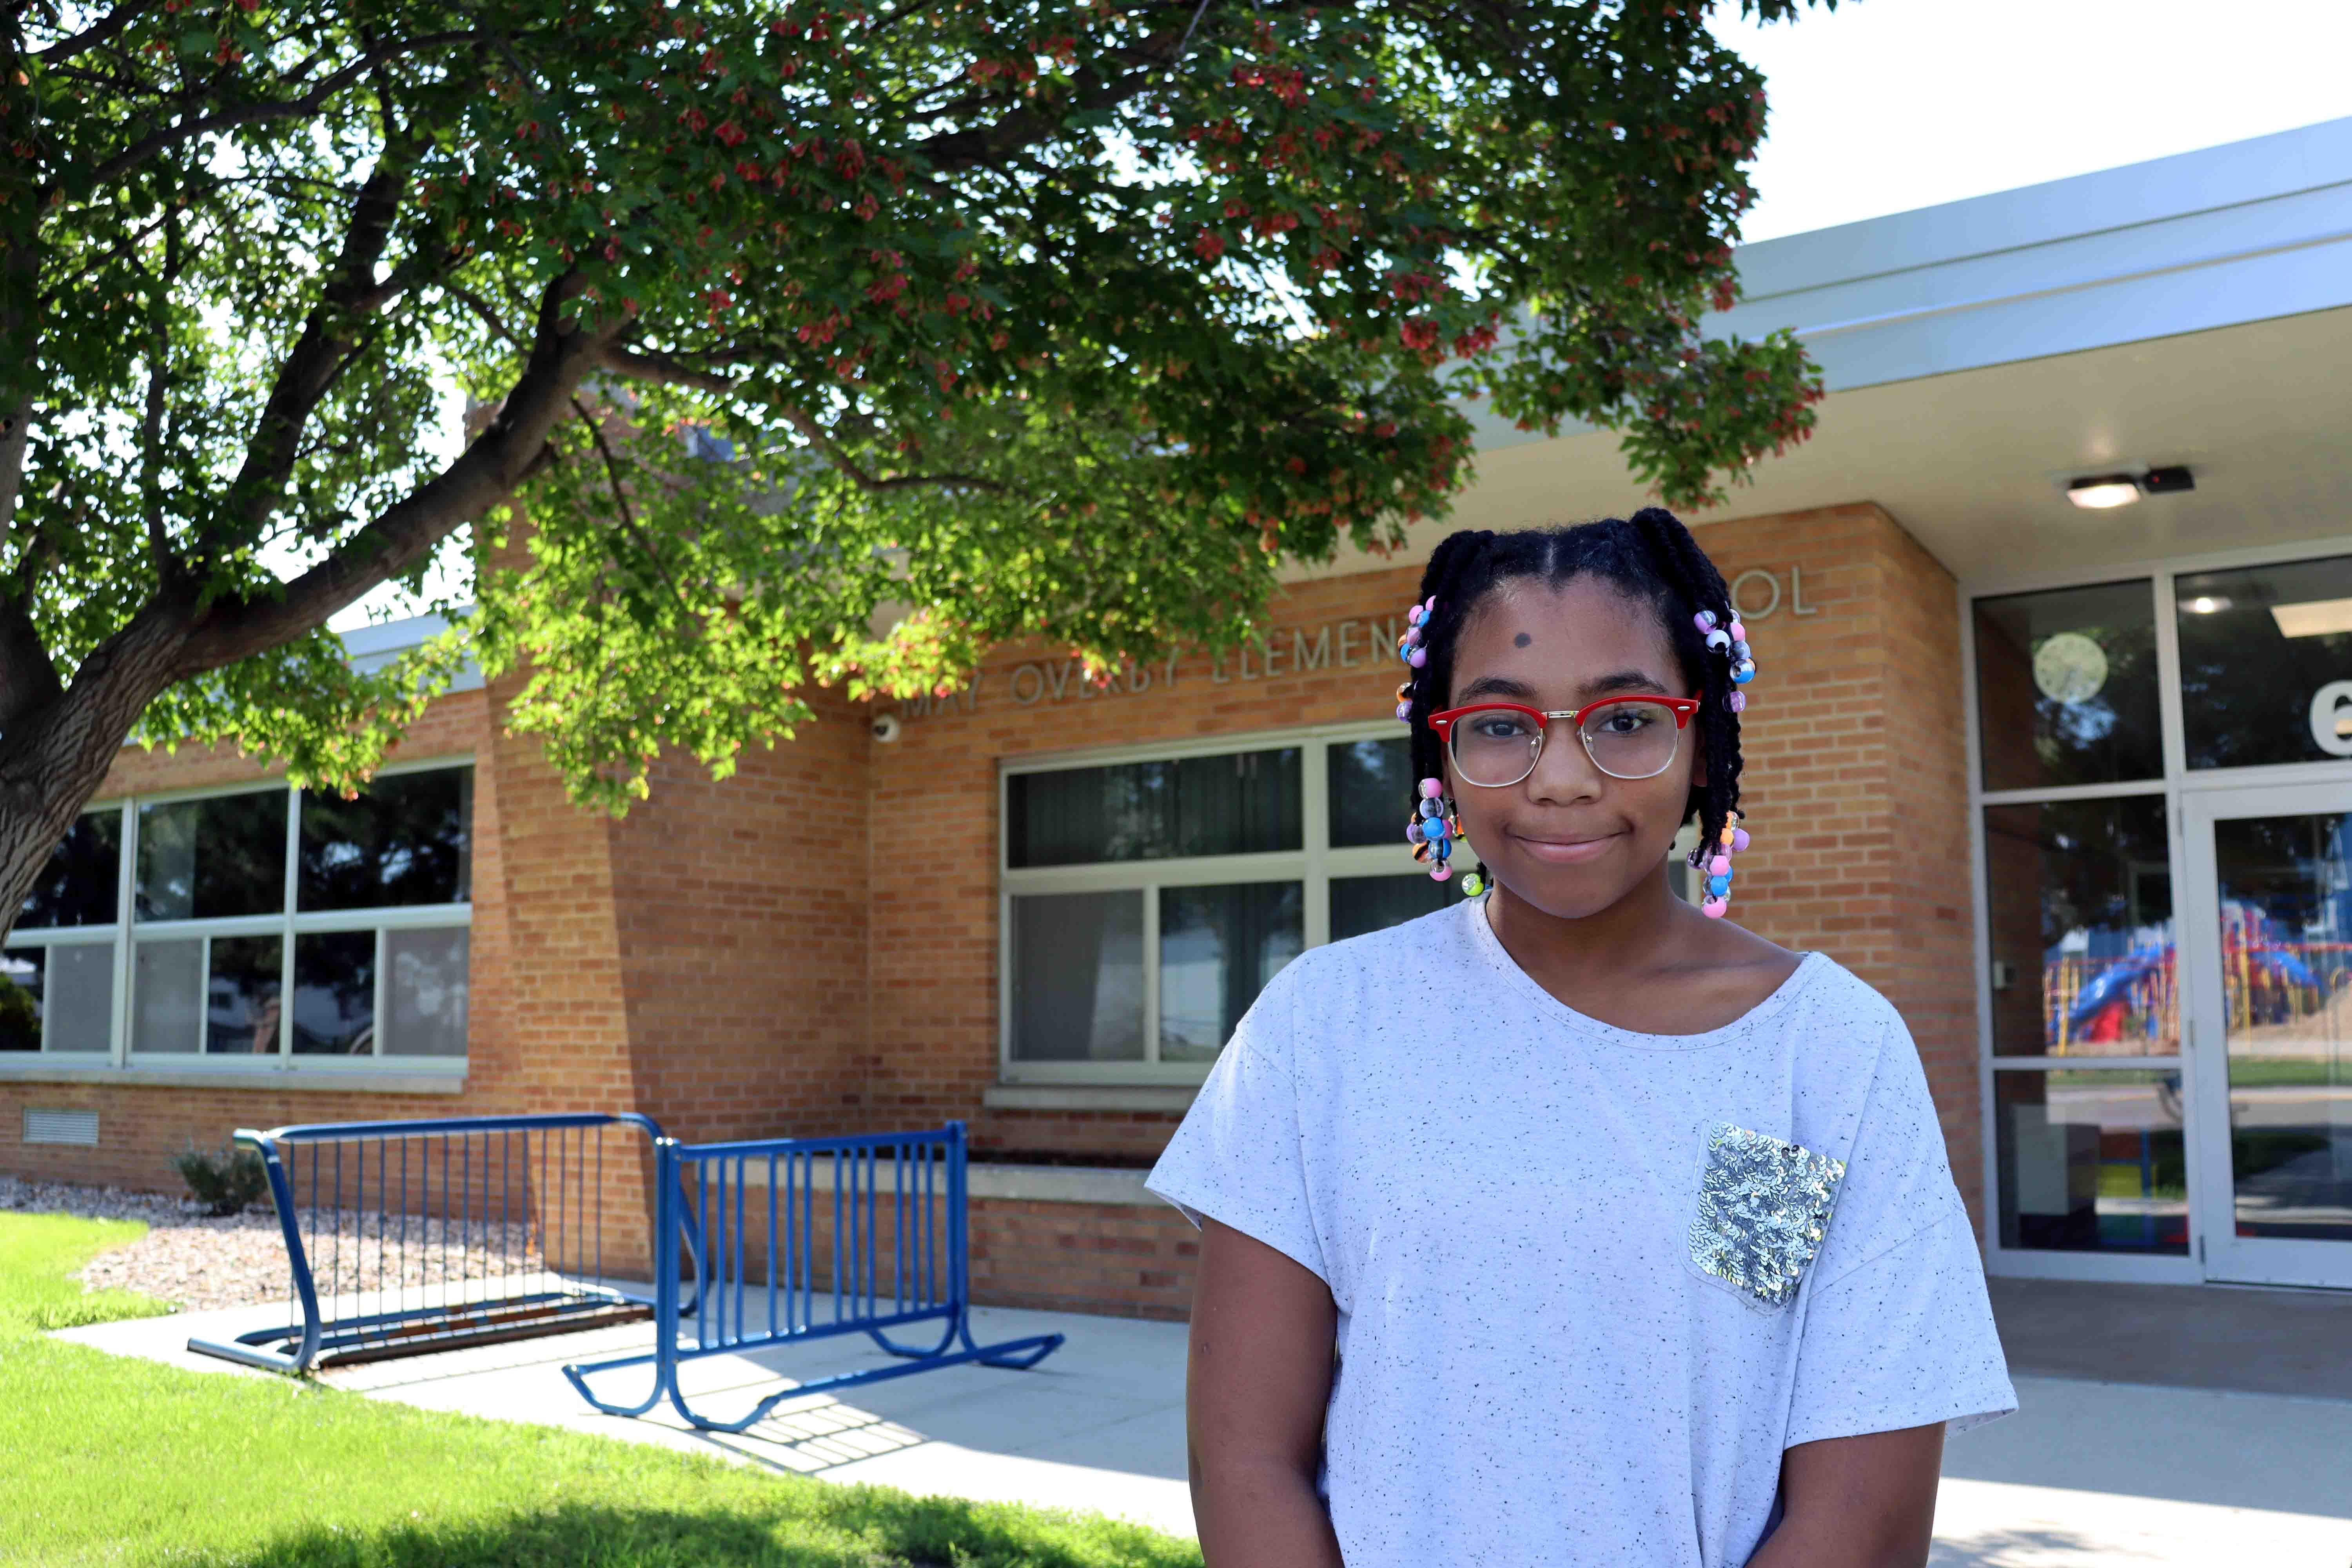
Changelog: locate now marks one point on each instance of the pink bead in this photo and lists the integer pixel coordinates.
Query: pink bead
(1739, 839)
(1737, 702)
(1417, 658)
(1703, 621)
(1413, 617)
(1431, 788)
(1713, 908)
(1440, 872)
(1718, 866)
(1739, 632)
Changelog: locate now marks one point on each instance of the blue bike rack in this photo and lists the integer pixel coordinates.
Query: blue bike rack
(407, 1238)
(772, 1242)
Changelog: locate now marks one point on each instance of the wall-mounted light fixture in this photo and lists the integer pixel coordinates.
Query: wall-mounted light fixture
(2102, 491)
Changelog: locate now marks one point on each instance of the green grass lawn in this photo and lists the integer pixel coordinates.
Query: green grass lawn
(116, 1461)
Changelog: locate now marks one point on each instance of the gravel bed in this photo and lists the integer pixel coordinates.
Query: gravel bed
(198, 1262)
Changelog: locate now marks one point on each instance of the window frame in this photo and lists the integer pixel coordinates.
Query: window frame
(1313, 865)
(2175, 784)
(128, 931)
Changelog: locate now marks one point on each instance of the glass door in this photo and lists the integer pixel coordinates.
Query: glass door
(2269, 929)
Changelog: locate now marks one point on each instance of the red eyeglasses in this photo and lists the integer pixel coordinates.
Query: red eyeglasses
(1496, 744)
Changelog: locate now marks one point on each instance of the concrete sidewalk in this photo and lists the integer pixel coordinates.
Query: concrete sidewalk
(2088, 1473)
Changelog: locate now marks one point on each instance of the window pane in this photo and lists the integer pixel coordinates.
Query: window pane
(1077, 977)
(75, 992)
(2285, 929)
(2079, 906)
(2263, 656)
(208, 859)
(427, 992)
(2067, 687)
(1218, 947)
(1241, 803)
(164, 988)
(334, 994)
(77, 887)
(1361, 904)
(405, 841)
(2092, 1162)
(21, 976)
(241, 996)
(1371, 791)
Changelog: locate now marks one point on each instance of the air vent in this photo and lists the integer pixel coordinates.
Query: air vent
(61, 1127)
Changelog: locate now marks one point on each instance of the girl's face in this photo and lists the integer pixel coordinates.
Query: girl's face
(1570, 839)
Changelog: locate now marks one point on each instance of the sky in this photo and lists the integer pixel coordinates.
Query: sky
(1883, 106)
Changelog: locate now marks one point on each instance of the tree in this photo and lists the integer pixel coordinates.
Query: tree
(1063, 321)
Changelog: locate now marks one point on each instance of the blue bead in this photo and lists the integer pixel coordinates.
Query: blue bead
(1718, 886)
(1742, 677)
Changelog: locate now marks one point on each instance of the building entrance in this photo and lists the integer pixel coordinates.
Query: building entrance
(2267, 922)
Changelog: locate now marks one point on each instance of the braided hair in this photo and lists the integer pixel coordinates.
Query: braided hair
(1653, 558)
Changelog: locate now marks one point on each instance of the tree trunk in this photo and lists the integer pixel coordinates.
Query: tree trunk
(53, 756)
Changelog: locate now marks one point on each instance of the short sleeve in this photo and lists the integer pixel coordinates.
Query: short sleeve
(1898, 1330)
(1903, 1340)
(1238, 1158)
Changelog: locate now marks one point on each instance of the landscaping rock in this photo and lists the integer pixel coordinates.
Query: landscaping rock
(198, 1262)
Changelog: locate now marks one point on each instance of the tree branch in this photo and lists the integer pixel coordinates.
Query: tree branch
(97, 33)
(510, 448)
(481, 307)
(311, 102)
(668, 372)
(621, 500)
(318, 356)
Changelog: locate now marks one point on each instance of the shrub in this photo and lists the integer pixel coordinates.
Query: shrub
(227, 1183)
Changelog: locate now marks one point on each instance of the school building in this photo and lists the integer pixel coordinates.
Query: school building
(2053, 745)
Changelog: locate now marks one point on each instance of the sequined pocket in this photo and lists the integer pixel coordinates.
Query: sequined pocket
(1763, 1208)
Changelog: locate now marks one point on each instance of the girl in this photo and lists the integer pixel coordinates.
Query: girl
(1574, 1225)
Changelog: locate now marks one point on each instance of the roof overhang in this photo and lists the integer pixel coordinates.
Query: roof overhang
(2194, 309)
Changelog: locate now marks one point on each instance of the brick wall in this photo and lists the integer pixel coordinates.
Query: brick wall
(1132, 1261)
(811, 945)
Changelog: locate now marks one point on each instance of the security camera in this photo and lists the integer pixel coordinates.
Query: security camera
(885, 727)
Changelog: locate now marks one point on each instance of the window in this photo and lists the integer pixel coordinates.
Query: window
(2067, 687)
(58, 973)
(1147, 899)
(260, 922)
(2264, 653)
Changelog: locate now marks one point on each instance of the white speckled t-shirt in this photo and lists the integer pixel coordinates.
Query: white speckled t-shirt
(1543, 1355)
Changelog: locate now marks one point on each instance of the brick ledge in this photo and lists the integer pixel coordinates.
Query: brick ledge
(1013, 1183)
(1175, 1097)
(279, 1078)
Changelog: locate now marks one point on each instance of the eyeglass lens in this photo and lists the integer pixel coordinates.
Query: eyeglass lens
(1626, 740)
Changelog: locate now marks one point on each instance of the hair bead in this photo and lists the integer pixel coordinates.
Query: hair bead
(1430, 789)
